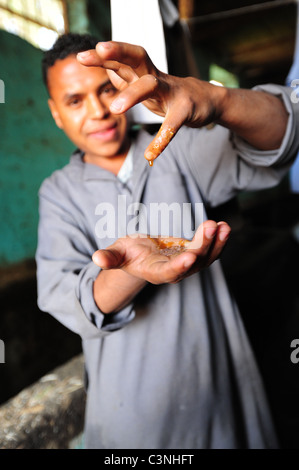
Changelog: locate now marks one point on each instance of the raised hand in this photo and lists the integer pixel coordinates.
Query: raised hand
(132, 72)
(186, 101)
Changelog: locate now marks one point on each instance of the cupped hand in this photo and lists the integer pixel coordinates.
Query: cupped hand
(165, 260)
(180, 100)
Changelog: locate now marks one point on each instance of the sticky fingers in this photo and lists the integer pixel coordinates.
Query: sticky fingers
(159, 144)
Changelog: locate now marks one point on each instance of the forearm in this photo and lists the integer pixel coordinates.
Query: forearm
(258, 117)
(114, 289)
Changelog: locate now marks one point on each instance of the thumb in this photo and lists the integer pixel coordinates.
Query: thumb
(109, 258)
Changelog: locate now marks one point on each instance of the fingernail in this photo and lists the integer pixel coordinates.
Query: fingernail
(105, 45)
(94, 258)
(223, 235)
(83, 54)
(117, 105)
(149, 156)
(210, 232)
(188, 263)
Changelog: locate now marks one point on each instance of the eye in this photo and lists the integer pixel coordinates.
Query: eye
(74, 101)
(108, 90)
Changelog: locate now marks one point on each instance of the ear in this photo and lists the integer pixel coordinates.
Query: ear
(55, 113)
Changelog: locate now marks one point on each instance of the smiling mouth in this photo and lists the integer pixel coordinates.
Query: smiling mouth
(104, 134)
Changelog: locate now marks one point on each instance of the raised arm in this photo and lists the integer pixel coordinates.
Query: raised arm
(256, 116)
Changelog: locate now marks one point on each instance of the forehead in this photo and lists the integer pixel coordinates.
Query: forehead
(69, 76)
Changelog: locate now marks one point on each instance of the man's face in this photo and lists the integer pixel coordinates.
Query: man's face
(80, 99)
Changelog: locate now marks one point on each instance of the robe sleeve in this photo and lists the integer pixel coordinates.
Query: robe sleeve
(65, 271)
(223, 164)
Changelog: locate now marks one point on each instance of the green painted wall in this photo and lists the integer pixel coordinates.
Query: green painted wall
(31, 147)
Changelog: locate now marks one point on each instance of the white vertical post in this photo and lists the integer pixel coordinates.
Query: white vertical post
(2, 352)
(139, 22)
(2, 92)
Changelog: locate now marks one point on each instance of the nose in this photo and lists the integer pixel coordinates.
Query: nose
(96, 108)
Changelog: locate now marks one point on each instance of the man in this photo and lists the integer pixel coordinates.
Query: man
(168, 362)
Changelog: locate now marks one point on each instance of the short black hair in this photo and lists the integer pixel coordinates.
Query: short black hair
(66, 45)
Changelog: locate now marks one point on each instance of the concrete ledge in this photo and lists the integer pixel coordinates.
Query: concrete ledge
(47, 415)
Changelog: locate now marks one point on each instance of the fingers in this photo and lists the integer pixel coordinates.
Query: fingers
(142, 89)
(223, 233)
(132, 69)
(209, 241)
(206, 246)
(110, 54)
(204, 236)
(175, 117)
(131, 55)
(132, 72)
(90, 58)
(219, 240)
(94, 58)
(159, 143)
(108, 259)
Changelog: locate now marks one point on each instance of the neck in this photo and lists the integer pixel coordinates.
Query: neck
(113, 163)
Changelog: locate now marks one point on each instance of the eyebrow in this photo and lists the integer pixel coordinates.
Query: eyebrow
(107, 82)
(69, 96)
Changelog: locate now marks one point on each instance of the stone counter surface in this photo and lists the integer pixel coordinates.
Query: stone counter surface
(47, 415)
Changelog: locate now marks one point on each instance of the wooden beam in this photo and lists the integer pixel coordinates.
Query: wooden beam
(186, 9)
(235, 12)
